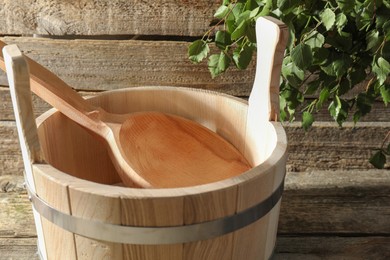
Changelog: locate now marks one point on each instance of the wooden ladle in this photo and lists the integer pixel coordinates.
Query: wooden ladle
(148, 149)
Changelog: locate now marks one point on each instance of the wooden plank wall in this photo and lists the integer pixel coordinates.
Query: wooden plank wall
(335, 204)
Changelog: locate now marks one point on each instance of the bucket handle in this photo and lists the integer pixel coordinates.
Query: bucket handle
(19, 83)
(271, 36)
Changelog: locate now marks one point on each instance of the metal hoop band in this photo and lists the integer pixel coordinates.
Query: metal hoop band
(155, 235)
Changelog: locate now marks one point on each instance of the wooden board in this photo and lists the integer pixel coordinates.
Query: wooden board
(326, 146)
(95, 65)
(19, 248)
(16, 220)
(99, 17)
(332, 247)
(287, 248)
(342, 202)
(11, 162)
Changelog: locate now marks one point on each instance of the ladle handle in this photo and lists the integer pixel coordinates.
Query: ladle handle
(60, 95)
(272, 36)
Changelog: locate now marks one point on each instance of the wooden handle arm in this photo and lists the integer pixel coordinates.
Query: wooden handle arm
(57, 93)
(17, 73)
(272, 36)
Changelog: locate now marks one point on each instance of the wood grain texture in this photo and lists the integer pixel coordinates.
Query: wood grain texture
(332, 247)
(58, 242)
(106, 65)
(54, 17)
(73, 140)
(19, 81)
(344, 202)
(85, 203)
(288, 248)
(18, 248)
(152, 212)
(169, 151)
(326, 146)
(16, 219)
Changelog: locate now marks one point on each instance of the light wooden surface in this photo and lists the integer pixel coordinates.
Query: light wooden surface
(97, 17)
(169, 151)
(18, 78)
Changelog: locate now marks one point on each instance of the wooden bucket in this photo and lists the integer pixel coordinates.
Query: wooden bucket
(82, 213)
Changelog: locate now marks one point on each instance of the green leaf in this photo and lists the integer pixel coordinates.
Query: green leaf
(341, 21)
(230, 25)
(252, 4)
(328, 18)
(293, 74)
(198, 50)
(338, 109)
(267, 8)
(293, 97)
(307, 120)
(222, 39)
(364, 103)
(302, 56)
(382, 69)
(341, 41)
(337, 66)
(218, 63)
(344, 86)
(315, 40)
(282, 105)
(320, 56)
(286, 6)
(240, 30)
(357, 74)
(243, 56)
(378, 160)
(221, 12)
(341, 66)
(386, 30)
(373, 40)
(385, 93)
(323, 97)
(254, 12)
(245, 16)
(237, 9)
(312, 87)
(346, 5)
(364, 16)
